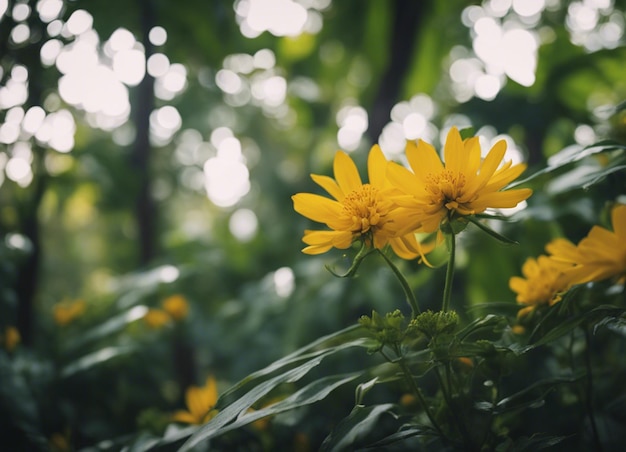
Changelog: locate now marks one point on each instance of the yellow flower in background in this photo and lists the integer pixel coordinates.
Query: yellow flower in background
(543, 283)
(156, 318)
(65, 312)
(10, 339)
(176, 306)
(200, 403)
(600, 255)
(60, 442)
(465, 185)
(358, 211)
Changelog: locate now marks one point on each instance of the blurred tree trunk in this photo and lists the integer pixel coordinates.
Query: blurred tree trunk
(145, 209)
(408, 15)
(27, 277)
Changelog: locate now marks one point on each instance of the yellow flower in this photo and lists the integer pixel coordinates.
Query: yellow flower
(60, 442)
(65, 313)
(358, 211)
(176, 306)
(600, 255)
(464, 185)
(156, 318)
(11, 338)
(543, 283)
(200, 403)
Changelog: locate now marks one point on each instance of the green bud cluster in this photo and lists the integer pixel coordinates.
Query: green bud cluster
(389, 329)
(433, 324)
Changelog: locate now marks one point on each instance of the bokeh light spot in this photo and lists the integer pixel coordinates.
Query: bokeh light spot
(157, 36)
(243, 225)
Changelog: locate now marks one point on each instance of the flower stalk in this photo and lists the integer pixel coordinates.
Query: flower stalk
(447, 290)
(410, 296)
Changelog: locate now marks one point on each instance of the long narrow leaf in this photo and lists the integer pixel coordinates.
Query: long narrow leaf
(311, 393)
(320, 346)
(304, 359)
(219, 424)
(570, 155)
(359, 422)
(96, 358)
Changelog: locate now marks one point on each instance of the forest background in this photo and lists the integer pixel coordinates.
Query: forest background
(149, 150)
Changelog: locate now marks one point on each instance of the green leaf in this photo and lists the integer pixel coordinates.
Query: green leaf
(19, 426)
(601, 175)
(467, 132)
(94, 359)
(434, 441)
(363, 389)
(533, 395)
(348, 337)
(311, 393)
(569, 155)
(568, 324)
(490, 323)
(110, 327)
(491, 232)
(530, 444)
(240, 397)
(361, 421)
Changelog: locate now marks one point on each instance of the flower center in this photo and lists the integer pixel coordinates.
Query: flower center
(363, 208)
(446, 188)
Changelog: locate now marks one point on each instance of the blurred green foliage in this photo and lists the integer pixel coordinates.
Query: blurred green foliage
(107, 379)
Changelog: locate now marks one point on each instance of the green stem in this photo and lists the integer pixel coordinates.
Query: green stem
(363, 252)
(447, 290)
(410, 296)
(446, 390)
(589, 397)
(416, 390)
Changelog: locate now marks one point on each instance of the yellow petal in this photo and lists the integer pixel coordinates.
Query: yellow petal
(210, 391)
(489, 166)
(346, 173)
(501, 199)
(185, 417)
(322, 241)
(424, 161)
(517, 284)
(330, 185)
(324, 237)
(405, 180)
(472, 148)
(525, 311)
(316, 207)
(454, 154)
(563, 250)
(194, 401)
(376, 166)
(618, 220)
(504, 176)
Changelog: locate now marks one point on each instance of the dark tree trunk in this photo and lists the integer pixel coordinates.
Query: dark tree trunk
(406, 21)
(145, 209)
(28, 272)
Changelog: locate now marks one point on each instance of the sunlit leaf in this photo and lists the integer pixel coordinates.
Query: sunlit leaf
(110, 327)
(569, 155)
(311, 393)
(241, 396)
(95, 359)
